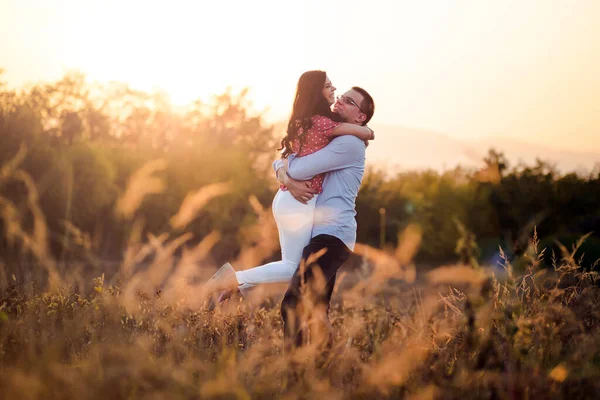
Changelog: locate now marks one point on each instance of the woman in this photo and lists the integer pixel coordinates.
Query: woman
(311, 127)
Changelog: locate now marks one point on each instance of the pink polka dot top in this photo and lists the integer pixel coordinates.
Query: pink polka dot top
(317, 137)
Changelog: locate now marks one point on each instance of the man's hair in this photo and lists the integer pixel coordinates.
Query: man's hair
(367, 105)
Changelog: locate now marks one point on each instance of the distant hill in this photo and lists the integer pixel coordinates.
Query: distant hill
(399, 147)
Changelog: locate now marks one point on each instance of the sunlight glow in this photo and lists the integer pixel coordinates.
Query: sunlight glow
(511, 69)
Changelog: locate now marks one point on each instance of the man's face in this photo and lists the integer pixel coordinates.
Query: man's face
(348, 107)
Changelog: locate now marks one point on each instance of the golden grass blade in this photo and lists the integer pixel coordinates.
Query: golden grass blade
(140, 184)
(11, 166)
(194, 202)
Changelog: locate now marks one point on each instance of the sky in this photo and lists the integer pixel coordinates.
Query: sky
(525, 70)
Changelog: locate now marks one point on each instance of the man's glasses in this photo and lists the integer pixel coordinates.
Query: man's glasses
(350, 102)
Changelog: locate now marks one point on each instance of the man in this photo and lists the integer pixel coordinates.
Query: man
(334, 228)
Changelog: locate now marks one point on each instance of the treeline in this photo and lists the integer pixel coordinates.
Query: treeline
(81, 143)
(469, 214)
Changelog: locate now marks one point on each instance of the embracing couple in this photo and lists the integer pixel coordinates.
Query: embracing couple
(320, 172)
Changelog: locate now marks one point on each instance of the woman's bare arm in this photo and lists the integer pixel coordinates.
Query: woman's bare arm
(361, 132)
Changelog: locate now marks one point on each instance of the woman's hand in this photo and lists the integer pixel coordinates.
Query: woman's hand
(372, 137)
(372, 133)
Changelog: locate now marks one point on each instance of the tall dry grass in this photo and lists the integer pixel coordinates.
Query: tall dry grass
(454, 332)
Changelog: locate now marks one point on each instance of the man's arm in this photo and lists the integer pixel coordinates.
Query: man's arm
(342, 152)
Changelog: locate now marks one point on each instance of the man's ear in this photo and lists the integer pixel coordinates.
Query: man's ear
(361, 118)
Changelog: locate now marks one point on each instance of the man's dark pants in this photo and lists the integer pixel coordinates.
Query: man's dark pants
(313, 281)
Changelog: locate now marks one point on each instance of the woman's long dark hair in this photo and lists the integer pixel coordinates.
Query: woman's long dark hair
(309, 101)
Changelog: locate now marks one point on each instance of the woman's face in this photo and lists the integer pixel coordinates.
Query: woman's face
(329, 91)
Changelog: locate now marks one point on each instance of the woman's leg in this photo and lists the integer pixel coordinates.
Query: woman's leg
(294, 222)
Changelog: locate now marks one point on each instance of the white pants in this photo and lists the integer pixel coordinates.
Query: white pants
(294, 222)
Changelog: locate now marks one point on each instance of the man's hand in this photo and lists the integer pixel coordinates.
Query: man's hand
(300, 190)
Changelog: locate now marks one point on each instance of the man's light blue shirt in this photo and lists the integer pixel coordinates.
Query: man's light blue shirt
(344, 161)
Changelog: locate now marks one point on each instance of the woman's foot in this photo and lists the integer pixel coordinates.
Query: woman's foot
(223, 296)
(223, 279)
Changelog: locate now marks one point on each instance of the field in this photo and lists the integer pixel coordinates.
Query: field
(453, 332)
